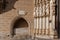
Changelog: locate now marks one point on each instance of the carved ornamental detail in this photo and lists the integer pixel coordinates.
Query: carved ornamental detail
(44, 17)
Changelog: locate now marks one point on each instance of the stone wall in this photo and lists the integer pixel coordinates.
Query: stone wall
(8, 16)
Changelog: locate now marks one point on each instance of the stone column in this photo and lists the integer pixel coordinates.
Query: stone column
(40, 14)
(43, 14)
(52, 11)
(47, 16)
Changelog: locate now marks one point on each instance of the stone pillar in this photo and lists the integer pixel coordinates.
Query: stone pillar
(52, 11)
(40, 14)
(47, 16)
(43, 14)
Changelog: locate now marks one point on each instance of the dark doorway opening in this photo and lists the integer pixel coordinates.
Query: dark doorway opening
(59, 19)
(57, 15)
(19, 25)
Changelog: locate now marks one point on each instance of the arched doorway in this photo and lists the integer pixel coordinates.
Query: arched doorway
(20, 27)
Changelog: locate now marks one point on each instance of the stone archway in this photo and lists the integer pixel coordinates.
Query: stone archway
(20, 27)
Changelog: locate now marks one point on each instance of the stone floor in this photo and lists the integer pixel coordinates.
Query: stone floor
(29, 38)
(24, 38)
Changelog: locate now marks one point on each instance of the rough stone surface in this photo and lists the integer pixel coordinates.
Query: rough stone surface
(25, 38)
(8, 18)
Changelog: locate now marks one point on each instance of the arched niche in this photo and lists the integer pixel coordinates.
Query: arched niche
(19, 25)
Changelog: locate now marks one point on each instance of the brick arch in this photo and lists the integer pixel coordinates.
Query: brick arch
(16, 19)
(20, 22)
